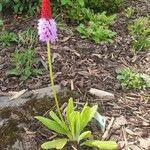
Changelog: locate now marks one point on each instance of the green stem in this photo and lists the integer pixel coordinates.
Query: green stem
(52, 80)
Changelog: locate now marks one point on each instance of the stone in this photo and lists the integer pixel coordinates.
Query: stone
(6, 101)
(102, 94)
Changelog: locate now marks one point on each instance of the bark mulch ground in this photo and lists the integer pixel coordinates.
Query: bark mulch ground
(80, 65)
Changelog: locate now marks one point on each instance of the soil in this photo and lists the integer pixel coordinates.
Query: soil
(80, 65)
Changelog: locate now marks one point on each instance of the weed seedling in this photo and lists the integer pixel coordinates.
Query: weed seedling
(129, 12)
(6, 38)
(25, 64)
(140, 31)
(129, 79)
(28, 37)
(98, 28)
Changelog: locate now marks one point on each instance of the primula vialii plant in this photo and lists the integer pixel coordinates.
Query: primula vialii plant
(48, 33)
(72, 125)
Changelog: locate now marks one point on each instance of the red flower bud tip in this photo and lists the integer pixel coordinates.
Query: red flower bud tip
(46, 9)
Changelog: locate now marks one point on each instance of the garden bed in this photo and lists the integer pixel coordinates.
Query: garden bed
(81, 65)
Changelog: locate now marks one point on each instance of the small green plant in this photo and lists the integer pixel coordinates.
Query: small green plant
(28, 37)
(6, 38)
(130, 79)
(110, 6)
(73, 9)
(96, 32)
(73, 128)
(5, 4)
(21, 6)
(140, 31)
(129, 12)
(98, 28)
(25, 64)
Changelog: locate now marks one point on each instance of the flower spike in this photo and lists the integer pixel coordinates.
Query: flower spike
(46, 11)
(47, 27)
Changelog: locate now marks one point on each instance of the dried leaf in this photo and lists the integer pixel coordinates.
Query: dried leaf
(120, 121)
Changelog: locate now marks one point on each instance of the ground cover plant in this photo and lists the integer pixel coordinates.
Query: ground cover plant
(129, 12)
(7, 38)
(20, 6)
(82, 69)
(25, 64)
(98, 27)
(28, 38)
(130, 79)
(140, 30)
(111, 6)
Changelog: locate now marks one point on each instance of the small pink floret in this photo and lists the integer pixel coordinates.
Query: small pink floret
(47, 30)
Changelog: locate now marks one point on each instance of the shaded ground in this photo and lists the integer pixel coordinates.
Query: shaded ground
(81, 64)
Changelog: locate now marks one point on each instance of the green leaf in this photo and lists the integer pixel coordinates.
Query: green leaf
(101, 120)
(81, 2)
(93, 111)
(24, 77)
(77, 125)
(61, 123)
(55, 117)
(57, 144)
(14, 72)
(72, 118)
(1, 7)
(52, 125)
(86, 115)
(64, 2)
(146, 78)
(70, 108)
(1, 22)
(102, 145)
(85, 135)
(37, 71)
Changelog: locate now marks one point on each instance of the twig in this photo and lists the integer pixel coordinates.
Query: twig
(72, 85)
(52, 137)
(17, 94)
(74, 148)
(125, 139)
(108, 128)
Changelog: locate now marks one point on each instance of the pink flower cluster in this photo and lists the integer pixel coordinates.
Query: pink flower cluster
(46, 26)
(47, 30)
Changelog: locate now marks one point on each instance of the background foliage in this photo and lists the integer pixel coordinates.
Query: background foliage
(72, 8)
(21, 6)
